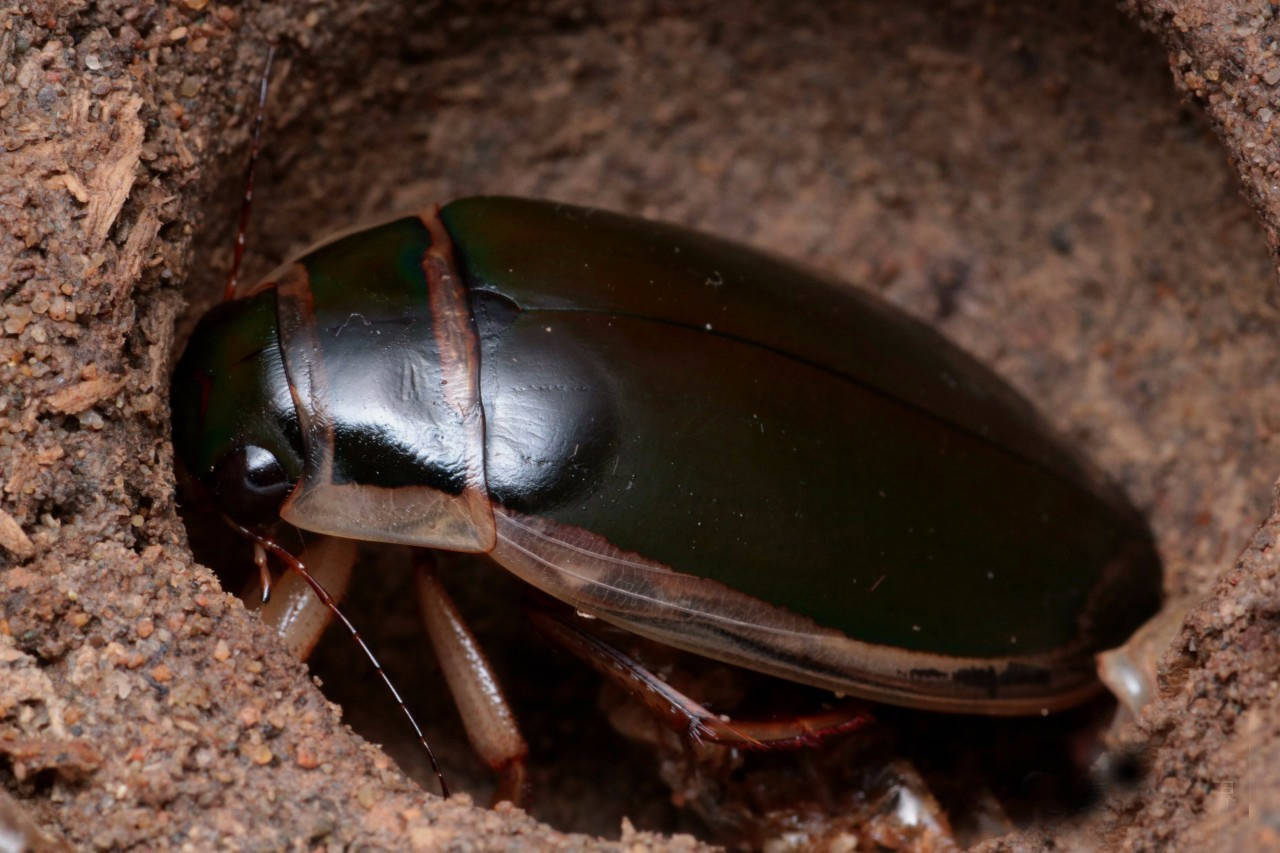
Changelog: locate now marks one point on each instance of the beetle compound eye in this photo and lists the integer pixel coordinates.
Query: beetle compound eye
(250, 484)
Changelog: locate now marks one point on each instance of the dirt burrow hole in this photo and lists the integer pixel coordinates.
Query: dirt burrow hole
(1023, 176)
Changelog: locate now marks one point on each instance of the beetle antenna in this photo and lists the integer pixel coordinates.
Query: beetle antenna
(229, 292)
(295, 565)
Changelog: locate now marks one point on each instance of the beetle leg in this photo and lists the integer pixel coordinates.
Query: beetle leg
(681, 713)
(297, 567)
(1129, 671)
(490, 725)
(298, 616)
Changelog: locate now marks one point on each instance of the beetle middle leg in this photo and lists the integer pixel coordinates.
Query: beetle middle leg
(487, 718)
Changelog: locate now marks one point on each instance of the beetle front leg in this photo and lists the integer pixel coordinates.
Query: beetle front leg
(490, 725)
(292, 610)
(686, 716)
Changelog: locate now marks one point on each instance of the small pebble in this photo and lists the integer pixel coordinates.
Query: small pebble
(260, 754)
(307, 758)
(161, 674)
(366, 796)
(18, 318)
(221, 651)
(145, 628)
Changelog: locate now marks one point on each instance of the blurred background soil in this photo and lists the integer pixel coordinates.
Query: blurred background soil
(1029, 177)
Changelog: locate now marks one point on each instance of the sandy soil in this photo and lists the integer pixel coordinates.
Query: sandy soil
(1029, 177)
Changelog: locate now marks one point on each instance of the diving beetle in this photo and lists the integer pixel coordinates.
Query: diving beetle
(692, 440)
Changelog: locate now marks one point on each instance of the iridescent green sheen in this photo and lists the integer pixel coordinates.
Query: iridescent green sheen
(229, 387)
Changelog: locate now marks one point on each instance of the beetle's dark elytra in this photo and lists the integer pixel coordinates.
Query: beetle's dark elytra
(693, 440)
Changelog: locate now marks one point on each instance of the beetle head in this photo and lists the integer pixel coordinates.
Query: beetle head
(235, 430)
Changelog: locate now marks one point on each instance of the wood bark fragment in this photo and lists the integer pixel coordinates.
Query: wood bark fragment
(13, 539)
